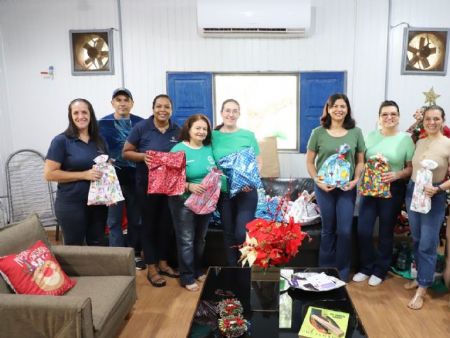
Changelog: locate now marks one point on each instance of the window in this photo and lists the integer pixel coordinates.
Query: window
(288, 105)
(269, 104)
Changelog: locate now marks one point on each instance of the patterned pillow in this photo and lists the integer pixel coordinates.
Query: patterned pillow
(35, 271)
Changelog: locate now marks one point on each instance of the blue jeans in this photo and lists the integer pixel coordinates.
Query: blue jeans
(425, 234)
(115, 213)
(336, 210)
(387, 210)
(235, 213)
(190, 232)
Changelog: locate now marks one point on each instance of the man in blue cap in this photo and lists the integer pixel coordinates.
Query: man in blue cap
(115, 129)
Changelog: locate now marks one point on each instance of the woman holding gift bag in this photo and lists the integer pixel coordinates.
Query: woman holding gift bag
(69, 161)
(425, 227)
(236, 211)
(191, 227)
(398, 149)
(336, 199)
(158, 133)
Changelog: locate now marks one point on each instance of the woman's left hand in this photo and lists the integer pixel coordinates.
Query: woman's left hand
(350, 185)
(196, 188)
(430, 190)
(389, 177)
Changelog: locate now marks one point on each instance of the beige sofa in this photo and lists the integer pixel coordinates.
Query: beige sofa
(95, 307)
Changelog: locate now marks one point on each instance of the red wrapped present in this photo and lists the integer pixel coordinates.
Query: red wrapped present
(166, 173)
(205, 203)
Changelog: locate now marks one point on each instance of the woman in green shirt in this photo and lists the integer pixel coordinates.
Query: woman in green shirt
(398, 148)
(336, 204)
(237, 211)
(190, 228)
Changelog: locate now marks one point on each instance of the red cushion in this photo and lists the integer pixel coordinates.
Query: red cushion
(35, 271)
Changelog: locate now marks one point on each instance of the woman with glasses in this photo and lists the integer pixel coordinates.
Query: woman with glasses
(398, 148)
(237, 211)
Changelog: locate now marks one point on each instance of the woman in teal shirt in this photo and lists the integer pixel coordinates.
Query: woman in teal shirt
(398, 148)
(190, 228)
(237, 211)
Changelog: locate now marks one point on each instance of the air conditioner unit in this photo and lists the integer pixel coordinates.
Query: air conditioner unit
(263, 18)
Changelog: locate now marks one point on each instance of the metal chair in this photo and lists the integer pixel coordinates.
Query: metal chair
(27, 190)
(3, 213)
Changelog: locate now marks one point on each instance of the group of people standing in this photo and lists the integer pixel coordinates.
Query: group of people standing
(337, 205)
(151, 217)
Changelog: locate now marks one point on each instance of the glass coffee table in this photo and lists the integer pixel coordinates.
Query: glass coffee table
(285, 321)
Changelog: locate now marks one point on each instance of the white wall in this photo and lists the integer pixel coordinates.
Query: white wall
(35, 36)
(161, 36)
(408, 89)
(5, 126)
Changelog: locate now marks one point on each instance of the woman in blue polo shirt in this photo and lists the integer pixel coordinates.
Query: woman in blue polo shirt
(160, 134)
(70, 162)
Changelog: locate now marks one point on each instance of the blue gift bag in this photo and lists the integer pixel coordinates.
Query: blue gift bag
(336, 169)
(241, 170)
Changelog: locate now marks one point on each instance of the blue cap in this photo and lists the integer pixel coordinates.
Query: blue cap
(122, 91)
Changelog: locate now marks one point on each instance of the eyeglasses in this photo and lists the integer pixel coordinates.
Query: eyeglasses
(386, 115)
(231, 112)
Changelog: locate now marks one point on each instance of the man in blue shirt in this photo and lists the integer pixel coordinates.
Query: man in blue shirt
(115, 129)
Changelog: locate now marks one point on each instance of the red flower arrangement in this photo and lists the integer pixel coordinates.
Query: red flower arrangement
(270, 243)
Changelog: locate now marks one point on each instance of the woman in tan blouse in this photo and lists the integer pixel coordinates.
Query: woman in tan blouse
(425, 227)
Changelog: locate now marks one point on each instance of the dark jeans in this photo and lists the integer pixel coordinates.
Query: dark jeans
(190, 232)
(387, 210)
(81, 223)
(235, 213)
(425, 234)
(156, 226)
(336, 209)
(115, 213)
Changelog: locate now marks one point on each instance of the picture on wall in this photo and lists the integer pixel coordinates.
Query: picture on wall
(92, 52)
(425, 51)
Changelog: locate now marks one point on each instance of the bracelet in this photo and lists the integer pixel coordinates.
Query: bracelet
(439, 189)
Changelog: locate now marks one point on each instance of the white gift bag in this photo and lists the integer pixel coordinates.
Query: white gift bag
(421, 202)
(303, 211)
(106, 190)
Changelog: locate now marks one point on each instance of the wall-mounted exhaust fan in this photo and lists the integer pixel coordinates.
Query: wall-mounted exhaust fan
(92, 52)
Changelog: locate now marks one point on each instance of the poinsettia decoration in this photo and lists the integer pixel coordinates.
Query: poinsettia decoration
(270, 243)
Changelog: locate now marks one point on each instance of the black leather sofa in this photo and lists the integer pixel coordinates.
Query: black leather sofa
(309, 250)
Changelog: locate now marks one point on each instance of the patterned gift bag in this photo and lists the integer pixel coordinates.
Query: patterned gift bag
(303, 210)
(336, 169)
(420, 202)
(205, 203)
(272, 208)
(241, 170)
(166, 173)
(371, 183)
(106, 190)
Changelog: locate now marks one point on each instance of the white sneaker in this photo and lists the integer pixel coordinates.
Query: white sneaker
(374, 280)
(360, 277)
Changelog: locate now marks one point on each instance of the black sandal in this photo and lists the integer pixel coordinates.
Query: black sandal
(158, 282)
(168, 273)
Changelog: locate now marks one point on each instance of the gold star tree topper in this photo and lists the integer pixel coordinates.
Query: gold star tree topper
(431, 96)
